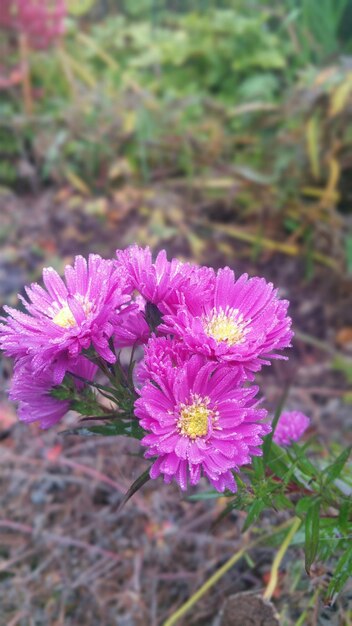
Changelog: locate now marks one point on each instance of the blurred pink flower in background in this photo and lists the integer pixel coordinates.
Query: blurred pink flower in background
(290, 427)
(41, 20)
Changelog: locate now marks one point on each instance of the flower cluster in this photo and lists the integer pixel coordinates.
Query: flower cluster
(62, 321)
(41, 20)
(199, 335)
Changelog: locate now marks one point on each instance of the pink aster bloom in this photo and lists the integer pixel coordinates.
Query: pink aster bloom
(33, 392)
(160, 354)
(200, 421)
(290, 427)
(132, 328)
(165, 283)
(243, 322)
(66, 317)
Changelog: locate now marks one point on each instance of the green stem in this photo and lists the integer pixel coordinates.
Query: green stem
(278, 559)
(173, 619)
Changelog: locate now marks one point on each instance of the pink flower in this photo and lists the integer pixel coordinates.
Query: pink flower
(290, 427)
(132, 329)
(34, 392)
(200, 421)
(243, 322)
(67, 318)
(41, 20)
(160, 354)
(167, 284)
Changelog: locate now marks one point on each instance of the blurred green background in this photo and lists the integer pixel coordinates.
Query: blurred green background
(246, 103)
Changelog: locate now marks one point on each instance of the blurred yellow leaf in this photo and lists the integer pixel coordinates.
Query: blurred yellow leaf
(251, 107)
(312, 136)
(268, 244)
(197, 245)
(339, 98)
(129, 122)
(79, 7)
(330, 193)
(77, 68)
(98, 206)
(98, 50)
(77, 182)
(119, 169)
(316, 192)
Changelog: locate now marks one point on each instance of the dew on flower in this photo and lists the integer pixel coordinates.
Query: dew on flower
(194, 418)
(65, 317)
(225, 325)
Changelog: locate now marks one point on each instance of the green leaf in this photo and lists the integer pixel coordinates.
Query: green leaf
(312, 534)
(268, 439)
(303, 505)
(258, 467)
(342, 573)
(113, 429)
(205, 495)
(60, 392)
(117, 428)
(81, 432)
(253, 512)
(345, 514)
(348, 247)
(282, 502)
(303, 463)
(334, 470)
(278, 461)
(138, 483)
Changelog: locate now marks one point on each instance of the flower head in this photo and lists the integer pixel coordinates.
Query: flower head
(132, 328)
(35, 393)
(41, 20)
(160, 354)
(200, 421)
(290, 427)
(67, 317)
(243, 322)
(167, 284)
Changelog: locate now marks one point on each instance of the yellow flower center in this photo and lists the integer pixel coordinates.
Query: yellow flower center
(65, 317)
(194, 418)
(226, 326)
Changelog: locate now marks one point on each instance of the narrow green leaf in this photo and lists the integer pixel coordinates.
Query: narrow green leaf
(333, 471)
(345, 514)
(138, 483)
(312, 534)
(303, 505)
(253, 512)
(341, 574)
(117, 428)
(348, 246)
(282, 502)
(278, 461)
(81, 432)
(303, 463)
(258, 467)
(205, 495)
(268, 439)
(114, 429)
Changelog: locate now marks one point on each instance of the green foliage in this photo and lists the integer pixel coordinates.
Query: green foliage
(312, 525)
(319, 27)
(118, 428)
(288, 480)
(179, 92)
